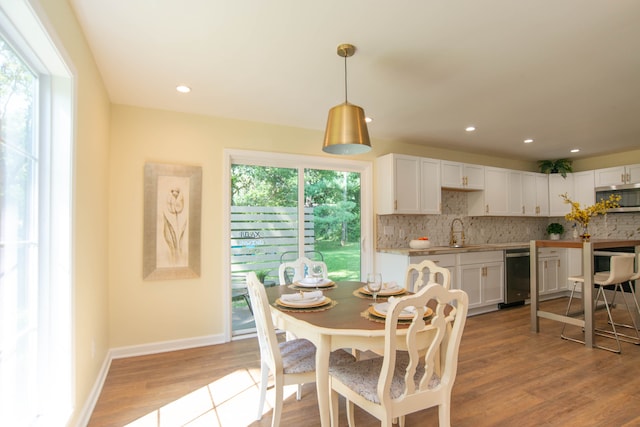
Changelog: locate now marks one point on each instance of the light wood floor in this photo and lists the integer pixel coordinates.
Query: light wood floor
(507, 376)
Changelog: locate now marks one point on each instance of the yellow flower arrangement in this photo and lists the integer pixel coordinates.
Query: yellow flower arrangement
(583, 215)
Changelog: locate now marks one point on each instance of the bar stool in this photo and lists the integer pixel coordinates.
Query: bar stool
(632, 339)
(621, 272)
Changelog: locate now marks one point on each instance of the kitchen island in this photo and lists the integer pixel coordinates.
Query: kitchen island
(587, 272)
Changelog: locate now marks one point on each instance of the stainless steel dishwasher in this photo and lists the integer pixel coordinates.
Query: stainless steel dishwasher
(517, 277)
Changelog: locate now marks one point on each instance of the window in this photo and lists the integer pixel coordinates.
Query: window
(35, 175)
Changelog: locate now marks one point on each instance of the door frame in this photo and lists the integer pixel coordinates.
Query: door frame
(300, 162)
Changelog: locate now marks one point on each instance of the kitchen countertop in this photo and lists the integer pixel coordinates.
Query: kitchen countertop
(437, 250)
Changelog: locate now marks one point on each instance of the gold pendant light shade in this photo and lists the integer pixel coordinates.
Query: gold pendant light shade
(346, 131)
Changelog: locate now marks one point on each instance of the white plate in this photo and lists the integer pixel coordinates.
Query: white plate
(396, 290)
(305, 283)
(382, 308)
(303, 303)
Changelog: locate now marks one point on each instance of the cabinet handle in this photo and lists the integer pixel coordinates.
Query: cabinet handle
(486, 209)
(558, 263)
(545, 265)
(395, 205)
(628, 177)
(523, 210)
(622, 178)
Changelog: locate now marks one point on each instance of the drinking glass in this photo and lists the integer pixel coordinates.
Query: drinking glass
(317, 272)
(374, 284)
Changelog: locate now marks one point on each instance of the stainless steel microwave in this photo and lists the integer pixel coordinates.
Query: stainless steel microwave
(630, 194)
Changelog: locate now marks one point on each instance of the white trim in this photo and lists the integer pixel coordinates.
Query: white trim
(260, 158)
(92, 399)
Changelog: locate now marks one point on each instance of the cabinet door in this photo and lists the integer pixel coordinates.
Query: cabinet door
(496, 191)
(633, 174)
(493, 283)
(584, 188)
(542, 194)
(407, 184)
(548, 272)
(430, 186)
(451, 173)
(474, 177)
(516, 196)
(557, 186)
(470, 280)
(610, 176)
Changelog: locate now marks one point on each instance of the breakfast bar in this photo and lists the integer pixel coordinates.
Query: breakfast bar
(588, 248)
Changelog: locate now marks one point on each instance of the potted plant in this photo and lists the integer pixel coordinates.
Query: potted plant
(561, 166)
(554, 230)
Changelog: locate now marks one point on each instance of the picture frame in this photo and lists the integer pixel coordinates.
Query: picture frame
(172, 221)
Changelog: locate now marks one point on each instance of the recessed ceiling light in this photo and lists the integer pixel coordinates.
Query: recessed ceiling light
(470, 128)
(528, 141)
(575, 150)
(368, 119)
(183, 89)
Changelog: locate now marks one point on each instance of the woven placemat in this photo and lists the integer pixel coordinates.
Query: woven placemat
(332, 304)
(359, 294)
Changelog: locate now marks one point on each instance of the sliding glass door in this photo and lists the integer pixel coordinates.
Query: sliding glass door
(278, 213)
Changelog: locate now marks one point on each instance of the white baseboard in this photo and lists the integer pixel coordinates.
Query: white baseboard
(138, 350)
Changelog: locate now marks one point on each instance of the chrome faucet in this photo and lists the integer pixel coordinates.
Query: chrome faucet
(453, 241)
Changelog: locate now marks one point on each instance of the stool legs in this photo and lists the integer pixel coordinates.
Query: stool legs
(633, 326)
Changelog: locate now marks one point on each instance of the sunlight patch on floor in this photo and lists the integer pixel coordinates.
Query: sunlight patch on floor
(230, 401)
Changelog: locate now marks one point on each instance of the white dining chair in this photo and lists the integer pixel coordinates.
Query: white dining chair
(415, 278)
(292, 271)
(402, 382)
(621, 272)
(290, 362)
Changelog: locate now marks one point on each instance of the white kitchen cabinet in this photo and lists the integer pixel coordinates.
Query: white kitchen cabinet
(552, 271)
(407, 185)
(494, 199)
(617, 175)
(481, 276)
(528, 194)
(558, 186)
(462, 176)
(393, 267)
(584, 188)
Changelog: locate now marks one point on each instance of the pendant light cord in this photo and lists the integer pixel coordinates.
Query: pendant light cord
(345, 80)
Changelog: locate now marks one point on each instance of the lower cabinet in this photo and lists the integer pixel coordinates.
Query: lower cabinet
(481, 276)
(552, 271)
(394, 266)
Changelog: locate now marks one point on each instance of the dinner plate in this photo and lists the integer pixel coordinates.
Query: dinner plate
(305, 303)
(380, 310)
(384, 292)
(313, 284)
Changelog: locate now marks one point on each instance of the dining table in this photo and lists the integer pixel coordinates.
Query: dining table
(345, 323)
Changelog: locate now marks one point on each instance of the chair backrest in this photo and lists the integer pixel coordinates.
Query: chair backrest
(269, 350)
(290, 272)
(621, 269)
(439, 336)
(416, 275)
(636, 276)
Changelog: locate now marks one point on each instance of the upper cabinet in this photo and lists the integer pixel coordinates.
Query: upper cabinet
(528, 194)
(462, 176)
(494, 199)
(558, 186)
(617, 175)
(407, 185)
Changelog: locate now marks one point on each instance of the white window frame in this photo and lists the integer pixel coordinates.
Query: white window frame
(24, 25)
(299, 162)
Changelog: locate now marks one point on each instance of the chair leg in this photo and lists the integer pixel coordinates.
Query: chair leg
(633, 326)
(444, 413)
(350, 413)
(279, 399)
(264, 377)
(299, 392)
(613, 326)
(334, 411)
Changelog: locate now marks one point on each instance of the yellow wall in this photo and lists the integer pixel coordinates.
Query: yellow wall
(90, 210)
(114, 307)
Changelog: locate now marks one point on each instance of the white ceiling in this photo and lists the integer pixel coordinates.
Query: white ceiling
(563, 72)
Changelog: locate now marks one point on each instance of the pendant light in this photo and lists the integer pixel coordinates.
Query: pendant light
(346, 131)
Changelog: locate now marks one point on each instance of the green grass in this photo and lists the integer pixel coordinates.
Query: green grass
(343, 262)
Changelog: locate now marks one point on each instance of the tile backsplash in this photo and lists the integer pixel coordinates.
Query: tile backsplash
(395, 231)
